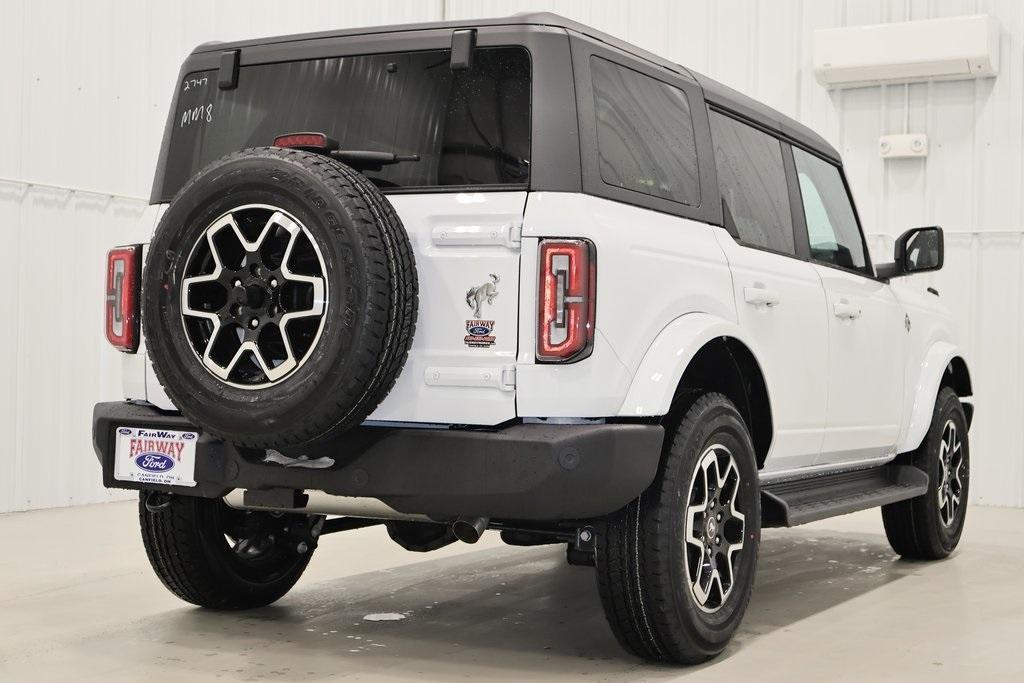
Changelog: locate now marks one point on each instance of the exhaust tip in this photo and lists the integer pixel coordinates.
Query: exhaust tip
(469, 529)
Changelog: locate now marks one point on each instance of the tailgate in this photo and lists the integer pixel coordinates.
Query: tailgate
(461, 368)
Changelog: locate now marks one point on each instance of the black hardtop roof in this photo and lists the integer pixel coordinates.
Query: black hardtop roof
(714, 92)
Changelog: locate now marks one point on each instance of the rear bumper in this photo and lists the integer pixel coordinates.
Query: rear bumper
(525, 471)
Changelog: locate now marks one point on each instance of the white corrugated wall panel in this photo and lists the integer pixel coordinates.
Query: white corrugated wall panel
(85, 97)
(55, 241)
(82, 105)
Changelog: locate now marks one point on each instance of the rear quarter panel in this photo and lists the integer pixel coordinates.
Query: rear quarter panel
(652, 268)
(136, 373)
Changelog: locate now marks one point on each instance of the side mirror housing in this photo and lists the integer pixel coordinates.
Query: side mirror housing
(918, 250)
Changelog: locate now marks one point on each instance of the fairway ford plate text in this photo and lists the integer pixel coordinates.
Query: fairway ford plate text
(155, 456)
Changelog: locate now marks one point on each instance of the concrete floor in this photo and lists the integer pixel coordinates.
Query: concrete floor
(78, 601)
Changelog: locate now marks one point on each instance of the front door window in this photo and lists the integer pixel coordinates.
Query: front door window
(832, 231)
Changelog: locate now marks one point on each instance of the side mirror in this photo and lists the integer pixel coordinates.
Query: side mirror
(918, 250)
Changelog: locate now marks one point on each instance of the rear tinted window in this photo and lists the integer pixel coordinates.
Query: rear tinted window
(470, 128)
(644, 134)
(752, 179)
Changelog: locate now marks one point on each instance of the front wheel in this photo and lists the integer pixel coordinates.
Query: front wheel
(215, 556)
(929, 527)
(676, 567)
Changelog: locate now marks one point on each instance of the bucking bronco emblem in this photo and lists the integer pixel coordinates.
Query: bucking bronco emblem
(476, 296)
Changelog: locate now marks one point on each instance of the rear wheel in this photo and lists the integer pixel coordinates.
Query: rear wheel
(929, 527)
(215, 556)
(676, 567)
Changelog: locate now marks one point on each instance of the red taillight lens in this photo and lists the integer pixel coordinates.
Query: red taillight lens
(122, 303)
(568, 286)
(316, 142)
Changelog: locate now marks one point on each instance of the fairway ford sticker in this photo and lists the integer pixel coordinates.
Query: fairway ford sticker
(478, 331)
(155, 456)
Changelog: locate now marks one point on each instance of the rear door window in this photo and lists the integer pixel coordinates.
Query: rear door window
(470, 128)
(752, 180)
(644, 134)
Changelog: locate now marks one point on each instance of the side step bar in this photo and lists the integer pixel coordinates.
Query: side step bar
(789, 503)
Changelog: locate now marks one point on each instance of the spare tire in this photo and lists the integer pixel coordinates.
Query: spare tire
(279, 298)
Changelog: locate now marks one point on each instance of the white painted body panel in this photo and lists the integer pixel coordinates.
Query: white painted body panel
(663, 365)
(843, 392)
(790, 338)
(651, 269)
(133, 365)
(459, 241)
(155, 393)
(867, 340)
(931, 345)
(591, 388)
(138, 379)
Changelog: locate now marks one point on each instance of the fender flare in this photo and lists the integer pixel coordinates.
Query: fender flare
(929, 379)
(669, 355)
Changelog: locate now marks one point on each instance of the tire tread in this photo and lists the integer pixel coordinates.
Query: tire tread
(634, 556)
(907, 522)
(173, 541)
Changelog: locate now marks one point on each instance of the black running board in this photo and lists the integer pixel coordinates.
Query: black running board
(789, 503)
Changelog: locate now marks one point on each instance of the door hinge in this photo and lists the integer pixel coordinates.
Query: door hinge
(515, 234)
(503, 378)
(509, 235)
(508, 378)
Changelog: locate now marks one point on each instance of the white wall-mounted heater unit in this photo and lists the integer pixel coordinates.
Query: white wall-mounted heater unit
(946, 49)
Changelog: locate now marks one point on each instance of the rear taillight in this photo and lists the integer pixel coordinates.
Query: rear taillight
(568, 286)
(122, 303)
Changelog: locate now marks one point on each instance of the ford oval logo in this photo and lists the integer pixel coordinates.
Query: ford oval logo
(154, 462)
(479, 331)
(188, 436)
(124, 431)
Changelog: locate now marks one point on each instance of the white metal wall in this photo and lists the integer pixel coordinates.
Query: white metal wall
(87, 85)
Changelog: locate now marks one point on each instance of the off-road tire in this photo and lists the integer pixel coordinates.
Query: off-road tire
(187, 549)
(372, 300)
(641, 577)
(914, 527)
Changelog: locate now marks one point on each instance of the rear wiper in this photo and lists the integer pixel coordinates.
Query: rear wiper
(367, 160)
(361, 159)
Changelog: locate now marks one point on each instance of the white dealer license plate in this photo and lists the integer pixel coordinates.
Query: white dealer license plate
(155, 456)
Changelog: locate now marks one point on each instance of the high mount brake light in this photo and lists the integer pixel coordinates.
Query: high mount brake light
(568, 298)
(122, 297)
(361, 159)
(313, 142)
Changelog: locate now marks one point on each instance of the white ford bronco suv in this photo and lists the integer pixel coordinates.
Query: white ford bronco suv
(516, 274)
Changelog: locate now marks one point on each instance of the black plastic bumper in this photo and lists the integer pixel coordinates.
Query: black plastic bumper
(525, 471)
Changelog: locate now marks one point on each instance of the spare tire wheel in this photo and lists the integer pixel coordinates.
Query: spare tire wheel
(279, 298)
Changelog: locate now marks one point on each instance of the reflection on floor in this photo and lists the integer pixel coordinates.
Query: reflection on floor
(78, 599)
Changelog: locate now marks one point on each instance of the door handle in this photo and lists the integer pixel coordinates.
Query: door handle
(759, 296)
(845, 310)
